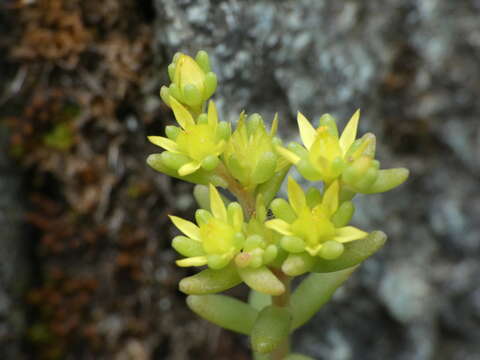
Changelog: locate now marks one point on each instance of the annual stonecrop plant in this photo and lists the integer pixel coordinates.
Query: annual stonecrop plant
(243, 231)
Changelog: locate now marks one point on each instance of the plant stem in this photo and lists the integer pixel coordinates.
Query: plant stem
(282, 300)
(244, 197)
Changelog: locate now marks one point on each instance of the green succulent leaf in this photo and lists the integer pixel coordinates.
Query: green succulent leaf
(298, 264)
(355, 252)
(313, 292)
(259, 300)
(224, 311)
(262, 280)
(270, 329)
(210, 281)
(387, 180)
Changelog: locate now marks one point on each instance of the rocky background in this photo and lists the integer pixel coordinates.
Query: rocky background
(86, 271)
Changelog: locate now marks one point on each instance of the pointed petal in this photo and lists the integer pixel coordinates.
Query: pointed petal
(216, 204)
(212, 115)
(165, 143)
(220, 147)
(349, 233)
(307, 131)
(287, 154)
(192, 261)
(187, 227)
(313, 250)
(296, 196)
(330, 198)
(273, 129)
(350, 132)
(279, 226)
(189, 168)
(183, 117)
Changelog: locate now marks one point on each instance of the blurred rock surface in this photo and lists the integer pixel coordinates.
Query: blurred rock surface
(412, 67)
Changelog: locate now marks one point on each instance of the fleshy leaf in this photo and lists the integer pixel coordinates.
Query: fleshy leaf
(282, 210)
(270, 329)
(210, 281)
(187, 247)
(298, 264)
(224, 311)
(259, 300)
(199, 177)
(387, 180)
(201, 195)
(313, 292)
(354, 253)
(262, 280)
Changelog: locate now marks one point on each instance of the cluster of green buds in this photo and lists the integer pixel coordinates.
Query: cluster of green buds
(261, 239)
(193, 82)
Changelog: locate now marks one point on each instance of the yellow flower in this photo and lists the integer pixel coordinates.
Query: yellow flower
(260, 246)
(194, 145)
(324, 152)
(216, 239)
(326, 156)
(311, 227)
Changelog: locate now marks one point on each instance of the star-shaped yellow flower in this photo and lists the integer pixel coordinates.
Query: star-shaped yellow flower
(216, 239)
(310, 228)
(326, 156)
(196, 144)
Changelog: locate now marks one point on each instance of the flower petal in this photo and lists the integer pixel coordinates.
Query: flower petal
(274, 127)
(314, 250)
(279, 226)
(192, 261)
(183, 117)
(330, 198)
(307, 131)
(212, 115)
(216, 204)
(189, 168)
(296, 196)
(187, 227)
(349, 233)
(287, 154)
(165, 143)
(350, 132)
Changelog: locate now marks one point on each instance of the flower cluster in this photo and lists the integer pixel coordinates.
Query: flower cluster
(260, 238)
(251, 162)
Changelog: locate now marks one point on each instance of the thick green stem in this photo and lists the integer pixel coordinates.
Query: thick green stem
(282, 300)
(244, 197)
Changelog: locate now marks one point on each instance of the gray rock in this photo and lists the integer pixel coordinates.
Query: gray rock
(412, 67)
